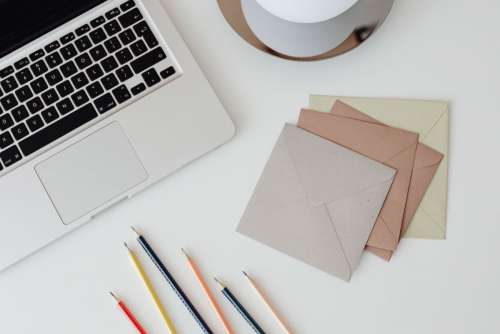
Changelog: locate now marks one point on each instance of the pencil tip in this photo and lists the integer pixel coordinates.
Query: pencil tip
(113, 295)
(134, 229)
(126, 246)
(219, 282)
(245, 273)
(184, 252)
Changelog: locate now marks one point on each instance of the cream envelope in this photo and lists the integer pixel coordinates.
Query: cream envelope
(428, 118)
(317, 201)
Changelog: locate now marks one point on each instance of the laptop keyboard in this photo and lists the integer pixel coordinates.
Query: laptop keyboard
(84, 75)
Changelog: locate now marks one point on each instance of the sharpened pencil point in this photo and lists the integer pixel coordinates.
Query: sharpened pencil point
(219, 282)
(136, 232)
(114, 296)
(184, 252)
(245, 273)
(126, 246)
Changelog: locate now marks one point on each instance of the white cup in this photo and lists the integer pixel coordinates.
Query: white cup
(306, 11)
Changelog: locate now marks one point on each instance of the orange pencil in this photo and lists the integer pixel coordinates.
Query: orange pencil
(207, 292)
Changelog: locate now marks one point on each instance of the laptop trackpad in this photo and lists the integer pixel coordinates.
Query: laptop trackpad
(91, 172)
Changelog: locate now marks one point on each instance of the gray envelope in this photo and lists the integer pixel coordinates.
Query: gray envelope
(317, 201)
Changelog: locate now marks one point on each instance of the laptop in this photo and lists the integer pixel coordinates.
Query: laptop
(98, 100)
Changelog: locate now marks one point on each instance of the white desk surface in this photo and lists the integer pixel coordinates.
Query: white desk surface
(426, 49)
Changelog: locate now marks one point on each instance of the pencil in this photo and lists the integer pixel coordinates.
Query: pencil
(151, 291)
(239, 307)
(128, 314)
(172, 282)
(207, 292)
(267, 303)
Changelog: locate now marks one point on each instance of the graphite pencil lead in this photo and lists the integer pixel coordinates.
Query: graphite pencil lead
(184, 252)
(136, 232)
(219, 282)
(126, 246)
(245, 273)
(114, 296)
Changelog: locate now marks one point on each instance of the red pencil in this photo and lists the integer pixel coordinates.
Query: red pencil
(128, 314)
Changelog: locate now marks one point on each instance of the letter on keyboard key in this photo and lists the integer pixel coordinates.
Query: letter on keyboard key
(148, 60)
(10, 156)
(58, 129)
(105, 103)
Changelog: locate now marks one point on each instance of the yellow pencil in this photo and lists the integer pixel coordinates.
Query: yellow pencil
(151, 291)
(268, 304)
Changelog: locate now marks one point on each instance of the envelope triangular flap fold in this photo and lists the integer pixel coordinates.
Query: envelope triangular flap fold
(280, 213)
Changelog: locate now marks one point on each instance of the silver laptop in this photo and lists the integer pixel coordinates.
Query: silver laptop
(98, 100)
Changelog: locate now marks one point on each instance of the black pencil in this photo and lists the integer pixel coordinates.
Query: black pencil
(239, 307)
(173, 284)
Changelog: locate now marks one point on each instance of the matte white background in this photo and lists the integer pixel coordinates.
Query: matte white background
(426, 49)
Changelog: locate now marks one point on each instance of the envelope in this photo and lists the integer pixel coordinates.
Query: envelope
(393, 147)
(317, 202)
(428, 118)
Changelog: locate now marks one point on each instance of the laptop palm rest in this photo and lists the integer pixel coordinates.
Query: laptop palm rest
(91, 173)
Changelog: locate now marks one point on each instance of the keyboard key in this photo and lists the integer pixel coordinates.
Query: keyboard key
(53, 59)
(105, 103)
(10, 156)
(112, 27)
(127, 5)
(68, 51)
(95, 89)
(39, 68)
(37, 55)
(127, 36)
(68, 69)
(65, 106)
(64, 88)
(112, 44)
(6, 122)
(58, 129)
(97, 21)
(138, 89)
(97, 36)
(79, 80)
(112, 13)
(109, 81)
(83, 61)
(21, 63)
(130, 17)
(82, 30)
(80, 98)
(9, 84)
(98, 53)
(20, 131)
(167, 72)
(52, 46)
(39, 85)
(150, 39)
(24, 93)
(24, 76)
(121, 94)
(67, 38)
(34, 123)
(138, 47)
(94, 72)
(53, 77)
(20, 113)
(124, 56)
(6, 71)
(141, 28)
(8, 102)
(83, 43)
(148, 60)
(49, 115)
(50, 97)
(109, 64)
(124, 73)
(35, 105)
(5, 140)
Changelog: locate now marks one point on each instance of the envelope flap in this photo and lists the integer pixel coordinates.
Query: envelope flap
(376, 141)
(329, 171)
(426, 157)
(342, 109)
